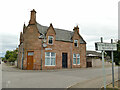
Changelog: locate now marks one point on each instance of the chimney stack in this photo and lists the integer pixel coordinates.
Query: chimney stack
(24, 28)
(33, 17)
(76, 29)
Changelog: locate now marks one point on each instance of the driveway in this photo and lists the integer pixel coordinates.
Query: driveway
(15, 78)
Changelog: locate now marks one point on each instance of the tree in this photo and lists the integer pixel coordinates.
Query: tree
(11, 56)
(7, 55)
(116, 54)
(3, 59)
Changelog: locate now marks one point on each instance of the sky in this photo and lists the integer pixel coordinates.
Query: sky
(95, 18)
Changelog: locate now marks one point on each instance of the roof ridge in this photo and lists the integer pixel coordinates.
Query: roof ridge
(63, 29)
(56, 28)
(42, 25)
(61, 34)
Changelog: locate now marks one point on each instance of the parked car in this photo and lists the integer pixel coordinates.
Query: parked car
(5, 61)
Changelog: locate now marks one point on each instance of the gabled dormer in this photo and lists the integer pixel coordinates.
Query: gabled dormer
(77, 39)
(50, 35)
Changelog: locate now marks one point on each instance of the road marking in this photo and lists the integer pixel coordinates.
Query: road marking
(7, 83)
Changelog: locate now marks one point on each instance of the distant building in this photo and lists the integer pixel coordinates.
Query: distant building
(43, 47)
(94, 59)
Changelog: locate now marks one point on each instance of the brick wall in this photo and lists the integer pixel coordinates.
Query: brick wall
(20, 55)
(31, 42)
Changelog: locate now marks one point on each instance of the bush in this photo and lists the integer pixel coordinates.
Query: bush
(11, 56)
(3, 59)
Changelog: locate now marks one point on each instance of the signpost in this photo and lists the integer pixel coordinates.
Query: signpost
(105, 46)
(100, 46)
(112, 65)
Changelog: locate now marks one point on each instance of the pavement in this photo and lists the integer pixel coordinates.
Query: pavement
(94, 83)
(13, 77)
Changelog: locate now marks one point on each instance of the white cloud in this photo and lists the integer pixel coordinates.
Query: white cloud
(8, 42)
(95, 18)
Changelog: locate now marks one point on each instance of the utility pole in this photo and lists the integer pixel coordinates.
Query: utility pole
(71, 56)
(41, 52)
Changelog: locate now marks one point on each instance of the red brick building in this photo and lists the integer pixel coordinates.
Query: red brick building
(43, 47)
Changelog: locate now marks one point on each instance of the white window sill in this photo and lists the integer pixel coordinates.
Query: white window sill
(50, 65)
(74, 64)
(50, 44)
(76, 46)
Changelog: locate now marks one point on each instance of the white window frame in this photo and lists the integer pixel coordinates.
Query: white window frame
(78, 58)
(49, 39)
(74, 58)
(50, 58)
(77, 43)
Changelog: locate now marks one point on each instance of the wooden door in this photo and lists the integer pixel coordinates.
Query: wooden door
(30, 61)
(64, 60)
(89, 64)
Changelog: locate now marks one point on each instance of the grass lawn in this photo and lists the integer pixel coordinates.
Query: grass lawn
(110, 87)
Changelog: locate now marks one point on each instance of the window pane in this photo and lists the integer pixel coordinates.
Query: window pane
(52, 61)
(78, 55)
(78, 60)
(47, 53)
(47, 61)
(74, 60)
(50, 37)
(30, 53)
(50, 58)
(52, 54)
(50, 41)
(76, 42)
(74, 55)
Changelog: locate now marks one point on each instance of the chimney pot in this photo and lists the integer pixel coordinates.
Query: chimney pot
(76, 29)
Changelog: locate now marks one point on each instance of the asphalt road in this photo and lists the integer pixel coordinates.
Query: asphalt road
(14, 78)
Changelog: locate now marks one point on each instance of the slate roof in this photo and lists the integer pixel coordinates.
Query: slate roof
(93, 53)
(61, 35)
